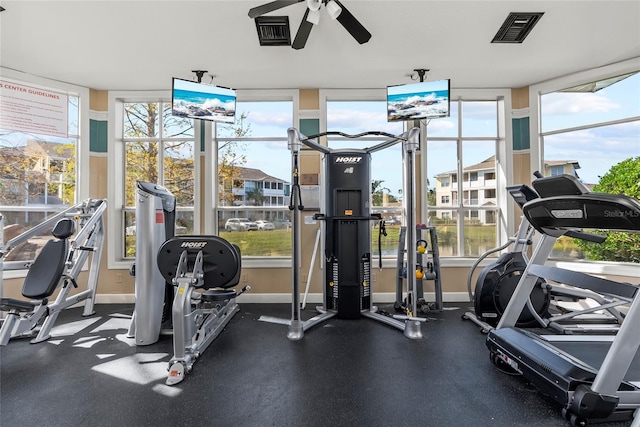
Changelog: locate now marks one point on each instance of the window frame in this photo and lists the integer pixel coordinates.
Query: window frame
(505, 224)
(536, 136)
(115, 159)
(505, 212)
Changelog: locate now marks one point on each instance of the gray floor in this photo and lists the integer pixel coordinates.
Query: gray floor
(343, 373)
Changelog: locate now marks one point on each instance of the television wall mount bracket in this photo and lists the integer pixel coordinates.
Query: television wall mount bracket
(199, 74)
(421, 73)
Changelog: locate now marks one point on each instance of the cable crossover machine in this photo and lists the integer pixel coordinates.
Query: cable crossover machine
(345, 225)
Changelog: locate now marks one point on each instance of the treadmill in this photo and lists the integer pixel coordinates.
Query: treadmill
(595, 378)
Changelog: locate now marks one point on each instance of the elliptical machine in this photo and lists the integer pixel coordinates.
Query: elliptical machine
(498, 280)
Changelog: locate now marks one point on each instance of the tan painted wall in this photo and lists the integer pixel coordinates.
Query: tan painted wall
(522, 173)
(520, 98)
(309, 99)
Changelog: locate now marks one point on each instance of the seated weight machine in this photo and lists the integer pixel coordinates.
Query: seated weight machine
(346, 230)
(57, 266)
(183, 283)
(204, 269)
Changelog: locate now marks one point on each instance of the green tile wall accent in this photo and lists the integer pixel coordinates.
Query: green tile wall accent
(98, 134)
(521, 134)
(310, 126)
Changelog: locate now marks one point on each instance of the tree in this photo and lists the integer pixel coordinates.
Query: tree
(378, 193)
(623, 178)
(256, 195)
(141, 125)
(31, 170)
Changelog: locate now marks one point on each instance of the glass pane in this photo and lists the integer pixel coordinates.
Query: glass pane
(479, 118)
(140, 164)
(141, 120)
(259, 119)
(445, 126)
(446, 223)
(74, 115)
(354, 117)
(173, 126)
(479, 173)
(591, 153)
(479, 189)
(37, 169)
(179, 174)
(442, 174)
(257, 233)
(563, 110)
(253, 173)
(479, 231)
(129, 233)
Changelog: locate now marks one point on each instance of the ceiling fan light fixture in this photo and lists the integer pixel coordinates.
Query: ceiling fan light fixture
(314, 17)
(333, 9)
(314, 5)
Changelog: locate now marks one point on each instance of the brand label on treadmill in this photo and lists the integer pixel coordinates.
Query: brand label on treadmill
(348, 159)
(621, 214)
(193, 245)
(567, 213)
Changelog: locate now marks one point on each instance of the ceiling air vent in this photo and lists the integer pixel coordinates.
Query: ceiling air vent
(273, 30)
(516, 27)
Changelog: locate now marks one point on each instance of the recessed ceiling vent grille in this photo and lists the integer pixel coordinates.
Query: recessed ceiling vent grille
(516, 27)
(273, 30)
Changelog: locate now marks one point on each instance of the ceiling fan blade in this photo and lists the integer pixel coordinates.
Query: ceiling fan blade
(352, 25)
(254, 12)
(303, 32)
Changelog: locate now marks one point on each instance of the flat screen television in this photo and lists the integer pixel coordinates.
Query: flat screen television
(414, 101)
(201, 101)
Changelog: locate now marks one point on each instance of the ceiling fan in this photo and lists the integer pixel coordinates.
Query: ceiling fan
(311, 17)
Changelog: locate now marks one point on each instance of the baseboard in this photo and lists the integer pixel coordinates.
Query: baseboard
(315, 298)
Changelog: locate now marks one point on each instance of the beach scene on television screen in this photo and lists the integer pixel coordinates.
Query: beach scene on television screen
(218, 105)
(419, 100)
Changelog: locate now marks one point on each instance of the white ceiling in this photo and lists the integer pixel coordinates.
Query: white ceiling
(140, 45)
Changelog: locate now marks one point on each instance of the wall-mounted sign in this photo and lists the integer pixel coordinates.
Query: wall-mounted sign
(30, 109)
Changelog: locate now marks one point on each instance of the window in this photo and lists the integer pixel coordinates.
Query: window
(465, 144)
(586, 128)
(254, 172)
(556, 170)
(39, 172)
(155, 147)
